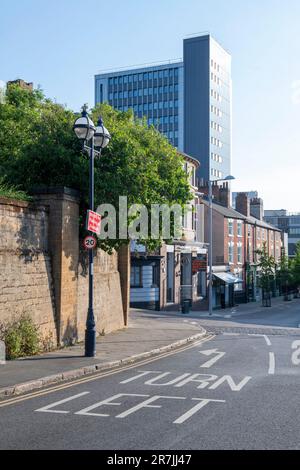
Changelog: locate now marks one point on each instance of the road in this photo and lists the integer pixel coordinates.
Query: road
(230, 391)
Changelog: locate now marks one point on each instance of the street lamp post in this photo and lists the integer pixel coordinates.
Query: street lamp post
(99, 138)
(210, 250)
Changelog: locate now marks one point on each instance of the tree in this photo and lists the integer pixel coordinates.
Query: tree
(266, 267)
(285, 274)
(38, 148)
(295, 267)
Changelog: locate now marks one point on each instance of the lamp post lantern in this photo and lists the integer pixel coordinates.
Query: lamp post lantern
(99, 138)
(210, 250)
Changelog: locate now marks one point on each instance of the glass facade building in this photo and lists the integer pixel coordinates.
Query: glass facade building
(188, 101)
(288, 223)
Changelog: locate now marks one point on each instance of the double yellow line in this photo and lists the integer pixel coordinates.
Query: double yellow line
(100, 375)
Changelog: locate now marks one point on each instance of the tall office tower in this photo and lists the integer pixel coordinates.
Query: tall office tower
(189, 101)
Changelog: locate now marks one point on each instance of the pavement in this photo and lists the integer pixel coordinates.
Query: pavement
(226, 391)
(145, 337)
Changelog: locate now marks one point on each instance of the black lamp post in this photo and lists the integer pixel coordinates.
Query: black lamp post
(99, 138)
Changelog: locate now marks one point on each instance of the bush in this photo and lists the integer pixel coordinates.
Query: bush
(21, 337)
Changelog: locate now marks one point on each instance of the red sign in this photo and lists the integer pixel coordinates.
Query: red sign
(198, 265)
(89, 242)
(93, 222)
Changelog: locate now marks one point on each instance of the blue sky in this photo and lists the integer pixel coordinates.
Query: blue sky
(62, 44)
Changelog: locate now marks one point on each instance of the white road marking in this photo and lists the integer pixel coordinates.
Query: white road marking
(107, 401)
(209, 352)
(233, 386)
(227, 316)
(141, 374)
(261, 336)
(47, 409)
(296, 354)
(271, 363)
(231, 334)
(192, 411)
(145, 404)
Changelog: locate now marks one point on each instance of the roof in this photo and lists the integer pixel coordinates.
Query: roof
(233, 214)
(189, 158)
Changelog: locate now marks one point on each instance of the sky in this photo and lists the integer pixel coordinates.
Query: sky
(60, 45)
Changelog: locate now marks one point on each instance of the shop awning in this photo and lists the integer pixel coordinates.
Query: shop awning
(228, 278)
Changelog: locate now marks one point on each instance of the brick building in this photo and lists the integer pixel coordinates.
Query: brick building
(237, 234)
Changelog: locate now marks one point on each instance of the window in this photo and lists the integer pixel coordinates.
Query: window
(140, 92)
(160, 74)
(136, 277)
(239, 253)
(145, 76)
(155, 275)
(140, 77)
(166, 73)
(150, 75)
(239, 229)
(135, 93)
(155, 75)
(160, 105)
(230, 252)
(126, 79)
(166, 89)
(145, 91)
(230, 227)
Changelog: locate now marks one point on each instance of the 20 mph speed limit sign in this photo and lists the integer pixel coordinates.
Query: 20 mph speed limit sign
(89, 242)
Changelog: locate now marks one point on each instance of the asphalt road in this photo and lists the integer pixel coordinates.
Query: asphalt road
(231, 391)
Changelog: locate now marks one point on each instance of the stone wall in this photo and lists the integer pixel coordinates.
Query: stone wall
(44, 272)
(25, 267)
(108, 309)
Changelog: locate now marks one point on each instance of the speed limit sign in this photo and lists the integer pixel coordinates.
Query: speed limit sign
(89, 242)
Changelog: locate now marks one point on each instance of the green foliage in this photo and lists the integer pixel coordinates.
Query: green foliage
(39, 148)
(267, 268)
(12, 192)
(21, 337)
(295, 267)
(285, 273)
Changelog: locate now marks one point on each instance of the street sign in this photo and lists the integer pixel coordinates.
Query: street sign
(90, 242)
(93, 222)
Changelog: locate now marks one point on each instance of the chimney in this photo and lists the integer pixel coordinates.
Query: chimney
(242, 204)
(224, 195)
(257, 208)
(21, 83)
(221, 194)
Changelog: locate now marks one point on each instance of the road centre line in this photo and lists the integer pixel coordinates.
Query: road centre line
(100, 375)
(271, 363)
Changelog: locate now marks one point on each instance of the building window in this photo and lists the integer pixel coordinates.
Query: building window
(239, 253)
(230, 252)
(136, 276)
(155, 275)
(230, 227)
(239, 229)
